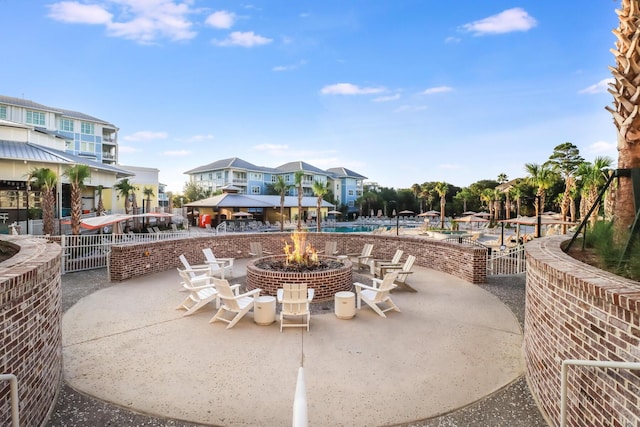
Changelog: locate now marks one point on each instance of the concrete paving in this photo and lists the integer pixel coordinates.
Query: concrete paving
(452, 344)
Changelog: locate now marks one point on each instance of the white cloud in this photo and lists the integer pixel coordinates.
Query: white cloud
(602, 147)
(199, 138)
(452, 40)
(289, 67)
(350, 89)
(244, 39)
(78, 13)
(438, 89)
(387, 98)
(221, 19)
(516, 19)
(600, 87)
(142, 21)
(146, 135)
(126, 149)
(176, 153)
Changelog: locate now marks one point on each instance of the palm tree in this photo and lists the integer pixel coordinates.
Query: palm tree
(417, 189)
(516, 193)
(486, 197)
(441, 188)
(496, 198)
(46, 180)
(626, 112)
(298, 180)
(124, 189)
(77, 175)
(148, 193)
(100, 208)
(502, 178)
(281, 187)
(565, 161)
(320, 190)
(593, 177)
(541, 177)
(465, 195)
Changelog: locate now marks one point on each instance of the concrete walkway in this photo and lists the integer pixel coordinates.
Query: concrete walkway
(452, 344)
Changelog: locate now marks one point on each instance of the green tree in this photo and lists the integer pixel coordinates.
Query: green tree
(148, 193)
(541, 177)
(125, 189)
(593, 176)
(100, 208)
(320, 190)
(281, 188)
(441, 188)
(465, 196)
(77, 175)
(565, 161)
(46, 180)
(502, 178)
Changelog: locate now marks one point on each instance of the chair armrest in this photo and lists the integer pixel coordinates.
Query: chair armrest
(235, 288)
(255, 292)
(363, 286)
(198, 269)
(310, 294)
(376, 282)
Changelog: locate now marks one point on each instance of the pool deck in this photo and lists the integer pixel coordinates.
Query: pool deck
(453, 344)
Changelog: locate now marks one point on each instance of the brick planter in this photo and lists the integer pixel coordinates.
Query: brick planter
(326, 283)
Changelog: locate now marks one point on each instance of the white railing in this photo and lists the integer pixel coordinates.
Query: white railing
(589, 363)
(15, 402)
(91, 251)
(509, 261)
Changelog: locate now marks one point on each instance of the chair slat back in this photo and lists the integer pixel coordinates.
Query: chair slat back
(211, 258)
(408, 265)
(186, 265)
(256, 249)
(397, 256)
(368, 248)
(386, 286)
(226, 294)
(295, 298)
(330, 248)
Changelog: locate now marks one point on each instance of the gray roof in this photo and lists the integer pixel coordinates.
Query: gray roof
(26, 103)
(14, 150)
(300, 165)
(345, 173)
(229, 200)
(233, 162)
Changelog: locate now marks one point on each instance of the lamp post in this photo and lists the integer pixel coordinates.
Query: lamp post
(18, 206)
(539, 209)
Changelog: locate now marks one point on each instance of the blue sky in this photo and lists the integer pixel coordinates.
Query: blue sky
(401, 91)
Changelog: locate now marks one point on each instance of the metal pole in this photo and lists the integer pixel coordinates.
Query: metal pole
(18, 206)
(397, 225)
(539, 217)
(15, 402)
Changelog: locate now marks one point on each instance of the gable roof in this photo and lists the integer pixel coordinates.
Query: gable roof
(300, 165)
(233, 162)
(342, 172)
(232, 200)
(14, 150)
(26, 103)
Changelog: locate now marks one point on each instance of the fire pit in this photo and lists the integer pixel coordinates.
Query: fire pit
(300, 264)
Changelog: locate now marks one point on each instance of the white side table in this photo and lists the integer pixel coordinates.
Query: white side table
(345, 305)
(264, 310)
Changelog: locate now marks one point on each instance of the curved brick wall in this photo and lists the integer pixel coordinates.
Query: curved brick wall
(466, 262)
(31, 337)
(325, 283)
(575, 311)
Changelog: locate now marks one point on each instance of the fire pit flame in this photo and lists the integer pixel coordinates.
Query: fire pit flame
(301, 252)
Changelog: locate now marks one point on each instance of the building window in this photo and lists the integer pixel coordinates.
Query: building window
(351, 203)
(69, 145)
(35, 118)
(87, 147)
(256, 176)
(218, 175)
(351, 192)
(255, 189)
(287, 178)
(3, 111)
(274, 178)
(86, 128)
(66, 125)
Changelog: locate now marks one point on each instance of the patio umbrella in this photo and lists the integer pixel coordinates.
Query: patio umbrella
(483, 214)
(430, 213)
(241, 214)
(471, 218)
(468, 213)
(407, 212)
(334, 213)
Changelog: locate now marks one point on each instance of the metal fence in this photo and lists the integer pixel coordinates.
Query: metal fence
(91, 251)
(509, 261)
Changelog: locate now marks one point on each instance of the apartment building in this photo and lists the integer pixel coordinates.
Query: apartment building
(251, 179)
(83, 135)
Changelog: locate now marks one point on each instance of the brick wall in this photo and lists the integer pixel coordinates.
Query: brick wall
(465, 262)
(575, 311)
(30, 328)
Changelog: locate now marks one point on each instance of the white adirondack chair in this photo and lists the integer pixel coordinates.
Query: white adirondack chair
(219, 267)
(233, 302)
(201, 292)
(378, 294)
(295, 299)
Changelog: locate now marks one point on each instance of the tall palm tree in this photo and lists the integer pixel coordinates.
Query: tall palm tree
(417, 189)
(148, 193)
(486, 197)
(502, 178)
(441, 188)
(100, 208)
(516, 193)
(46, 180)
(298, 180)
(541, 177)
(593, 177)
(320, 190)
(77, 175)
(465, 195)
(124, 189)
(496, 198)
(281, 187)
(626, 111)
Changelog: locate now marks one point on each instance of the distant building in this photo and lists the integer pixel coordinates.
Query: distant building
(83, 135)
(250, 179)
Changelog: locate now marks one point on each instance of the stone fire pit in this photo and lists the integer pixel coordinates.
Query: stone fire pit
(325, 282)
